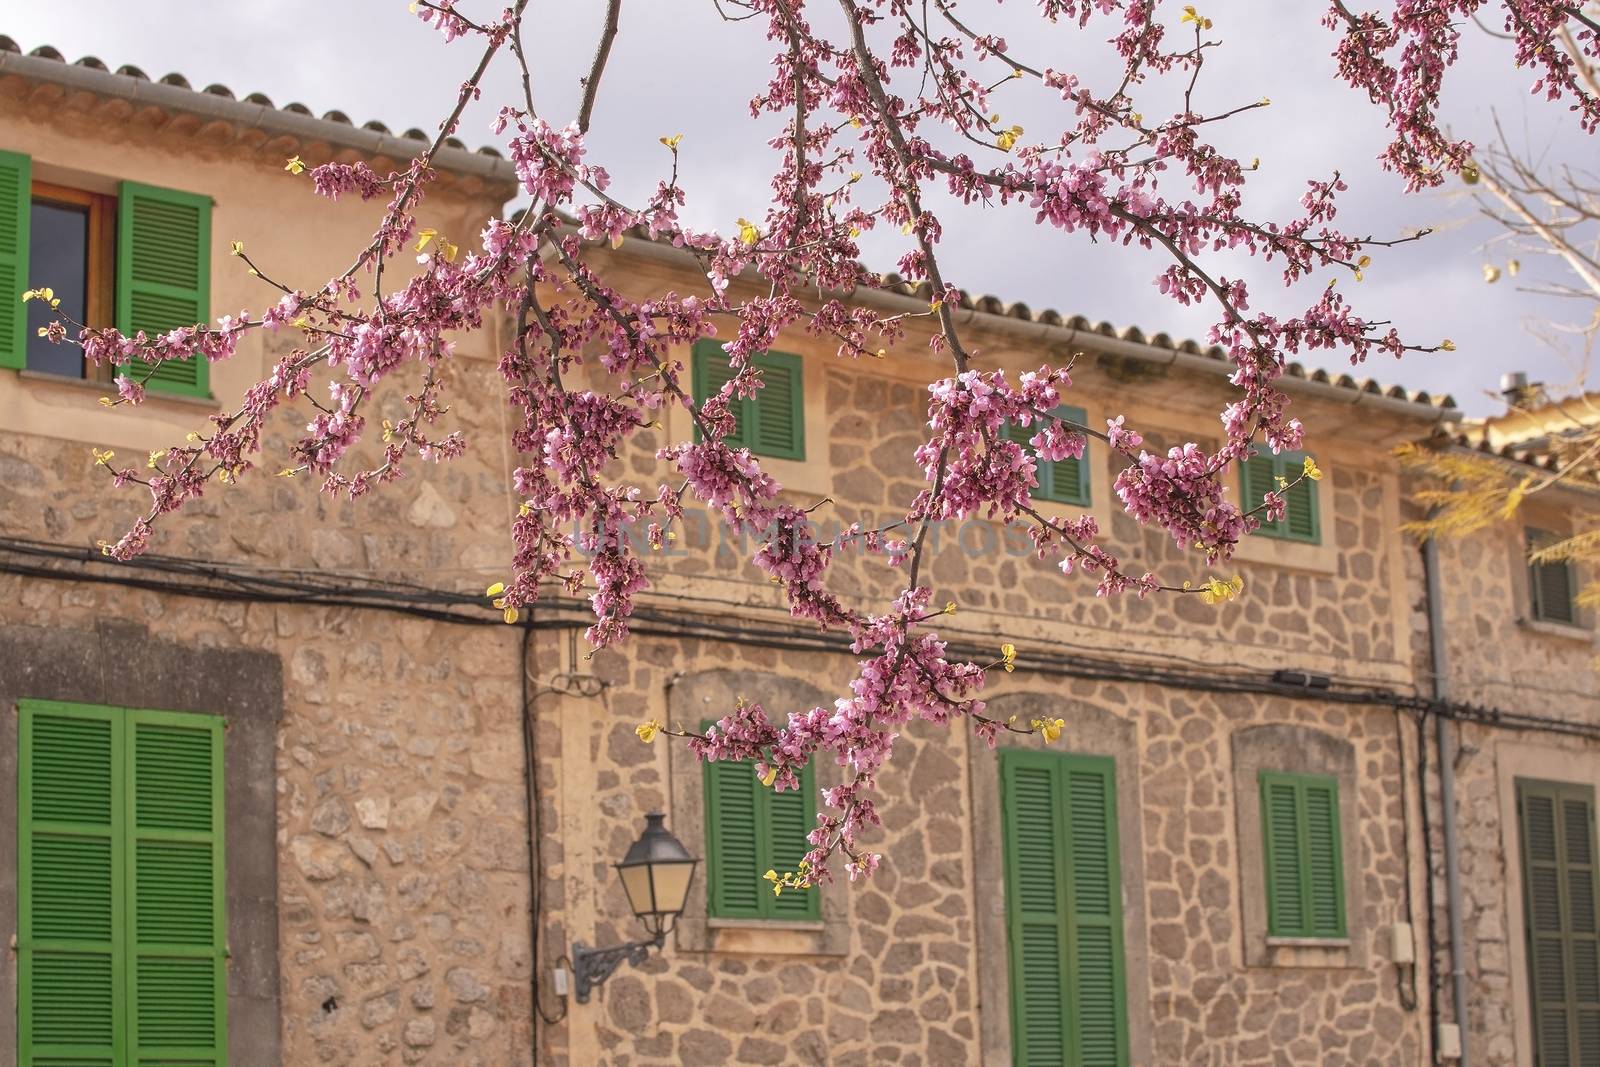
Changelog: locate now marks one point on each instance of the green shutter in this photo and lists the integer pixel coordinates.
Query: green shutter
(164, 274)
(789, 817)
(734, 885)
(780, 417)
(70, 881)
(772, 424)
(1259, 476)
(16, 204)
(1303, 855)
(1551, 584)
(1065, 481)
(751, 829)
(1064, 910)
(122, 943)
(177, 973)
(1560, 920)
(711, 371)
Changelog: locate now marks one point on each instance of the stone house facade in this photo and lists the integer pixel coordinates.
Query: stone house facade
(419, 807)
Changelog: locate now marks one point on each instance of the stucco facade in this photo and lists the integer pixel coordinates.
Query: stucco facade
(402, 852)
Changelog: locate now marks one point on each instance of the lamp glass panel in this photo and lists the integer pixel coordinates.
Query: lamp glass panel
(636, 883)
(672, 885)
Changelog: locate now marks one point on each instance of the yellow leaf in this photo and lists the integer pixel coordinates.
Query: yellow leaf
(236, 248)
(425, 238)
(616, 242)
(155, 457)
(296, 165)
(748, 232)
(1447, 345)
(1491, 273)
(647, 730)
(1311, 470)
(448, 250)
(1008, 657)
(106, 401)
(672, 142)
(510, 615)
(103, 459)
(496, 589)
(1007, 139)
(770, 777)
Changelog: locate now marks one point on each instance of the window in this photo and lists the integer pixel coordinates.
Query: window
(122, 946)
(1552, 586)
(773, 422)
(1065, 481)
(1063, 909)
(1305, 867)
(751, 829)
(139, 260)
(1559, 909)
(1301, 521)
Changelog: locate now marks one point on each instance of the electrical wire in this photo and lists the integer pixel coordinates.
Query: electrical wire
(223, 582)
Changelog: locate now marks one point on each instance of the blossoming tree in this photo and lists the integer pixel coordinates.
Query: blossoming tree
(899, 94)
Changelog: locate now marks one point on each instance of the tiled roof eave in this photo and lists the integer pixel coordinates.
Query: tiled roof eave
(218, 103)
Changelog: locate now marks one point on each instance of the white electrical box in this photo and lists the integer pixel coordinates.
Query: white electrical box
(558, 978)
(1449, 1041)
(1404, 946)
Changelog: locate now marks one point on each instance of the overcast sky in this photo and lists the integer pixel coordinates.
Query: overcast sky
(677, 68)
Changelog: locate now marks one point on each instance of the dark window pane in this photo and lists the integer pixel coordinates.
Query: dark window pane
(58, 257)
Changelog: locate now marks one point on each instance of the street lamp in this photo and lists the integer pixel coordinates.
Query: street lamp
(656, 874)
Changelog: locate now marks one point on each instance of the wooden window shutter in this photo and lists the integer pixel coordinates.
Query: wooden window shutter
(710, 371)
(1552, 585)
(1303, 853)
(1100, 1036)
(789, 817)
(16, 204)
(1302, 519)
(1063, 910)
(164, 275)
(1065, 481)
(1560, 920)
(751, 829)
(772, 424)
(780, 415)
(1259, 476)
(70, 978)
(733, 862)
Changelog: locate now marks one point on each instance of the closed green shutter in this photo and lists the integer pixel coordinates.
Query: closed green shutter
(1552, 584)
(121, 948)
(751, 829)
(1561, 930)
(1302, 520)
(1304, 858)
(1065, 481)
(772, 424)
(734, 886)
(711, 371)
(1064, 910)
(70, 881)
(164, 275)
(176, 910)
(16, 204)
(780, 407)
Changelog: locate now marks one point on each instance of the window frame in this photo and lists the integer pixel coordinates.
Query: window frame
(100, 261)
(1286, 465)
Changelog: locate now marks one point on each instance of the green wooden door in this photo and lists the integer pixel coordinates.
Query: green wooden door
(122, 924)
(1064, 910)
